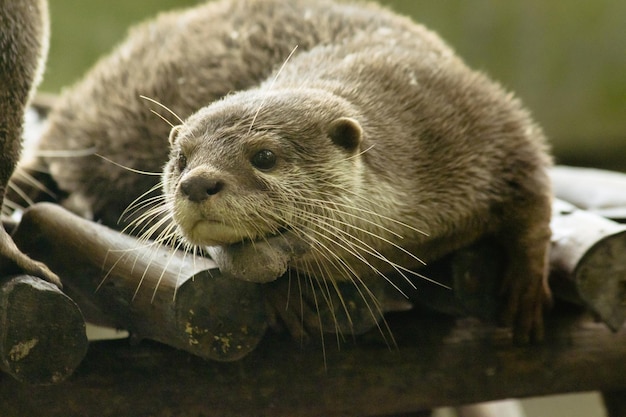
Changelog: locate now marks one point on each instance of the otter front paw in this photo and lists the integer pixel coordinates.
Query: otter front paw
(525, 309)
(527, 291)
(259, 261)
(13, 261)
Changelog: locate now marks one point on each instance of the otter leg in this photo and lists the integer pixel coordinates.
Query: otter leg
(527, 242)
(13, 261)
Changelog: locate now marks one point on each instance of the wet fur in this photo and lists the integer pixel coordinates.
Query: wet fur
(443, 150)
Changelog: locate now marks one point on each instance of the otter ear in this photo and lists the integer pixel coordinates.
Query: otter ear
(346, 132)
(174, 134)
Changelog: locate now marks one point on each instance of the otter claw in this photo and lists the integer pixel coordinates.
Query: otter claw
(12, 260)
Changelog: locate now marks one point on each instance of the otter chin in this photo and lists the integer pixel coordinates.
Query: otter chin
(209, 233)
(197, 229)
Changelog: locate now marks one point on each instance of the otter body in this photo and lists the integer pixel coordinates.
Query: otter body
(379, 154)
(375, 148)
(24, 32)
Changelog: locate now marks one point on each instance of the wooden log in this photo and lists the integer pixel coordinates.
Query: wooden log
(588, 262)
(153, 291)
(121, 282)
(438, 362)
(584, 270)
(144, 303)
(42, 331)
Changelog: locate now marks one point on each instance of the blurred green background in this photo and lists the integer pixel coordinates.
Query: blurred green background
(565, 59)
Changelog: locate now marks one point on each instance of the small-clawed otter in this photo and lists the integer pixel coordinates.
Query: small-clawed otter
(374, 148)
(24, 32)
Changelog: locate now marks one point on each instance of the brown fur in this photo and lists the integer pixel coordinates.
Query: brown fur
(103, 113)
(428, 143)
(374, 117)
(24, 45)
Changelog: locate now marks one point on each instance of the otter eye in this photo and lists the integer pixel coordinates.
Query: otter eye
(181, 161)
(264, 159)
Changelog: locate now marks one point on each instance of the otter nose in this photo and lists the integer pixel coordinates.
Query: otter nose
(198, 188)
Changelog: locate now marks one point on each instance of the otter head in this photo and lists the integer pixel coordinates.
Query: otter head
(257, 163)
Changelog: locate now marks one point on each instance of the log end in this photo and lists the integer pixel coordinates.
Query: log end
(42, 331)
(601, 279)
(219, 318)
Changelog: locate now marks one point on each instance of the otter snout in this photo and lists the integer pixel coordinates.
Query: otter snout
(198, 188)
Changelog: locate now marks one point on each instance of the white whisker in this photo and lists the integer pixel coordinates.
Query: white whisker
(136, 171)
(162, 118)
(271, 87)
(69, 153)
(163, 107)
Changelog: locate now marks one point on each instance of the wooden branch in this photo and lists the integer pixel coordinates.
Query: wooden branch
(438, 362)
(42, 331)
(207, 316)
(154, 292)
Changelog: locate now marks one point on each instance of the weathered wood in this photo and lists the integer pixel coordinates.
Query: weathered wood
(153, 291)
(42, 331)
(438, 362)
(588, 261)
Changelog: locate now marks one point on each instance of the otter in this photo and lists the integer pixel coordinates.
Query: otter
(372, 150)
(380, 156)
(24, 30)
